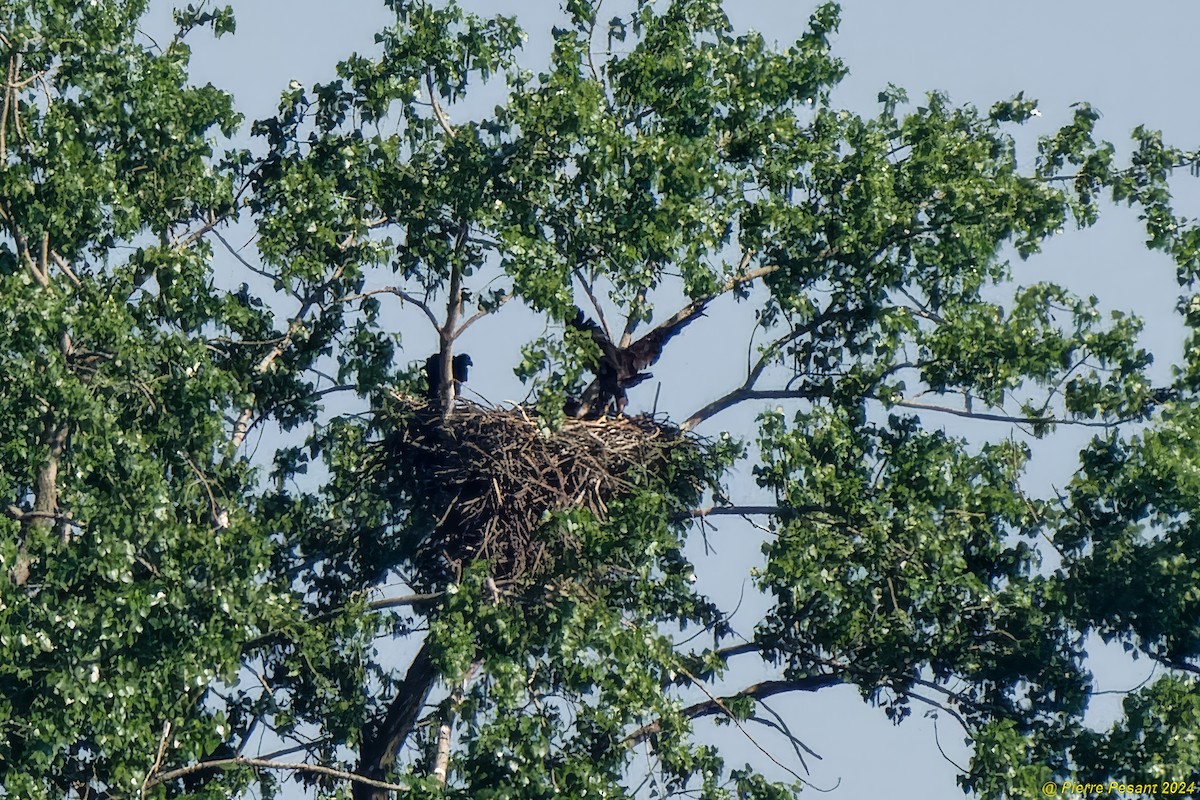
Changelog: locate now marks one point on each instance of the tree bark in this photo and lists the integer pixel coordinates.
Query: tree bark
(45, 501)
(383, 742)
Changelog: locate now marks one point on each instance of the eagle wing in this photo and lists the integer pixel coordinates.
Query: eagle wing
(648, 349)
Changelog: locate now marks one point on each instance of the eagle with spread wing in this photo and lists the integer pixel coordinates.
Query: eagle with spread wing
(621, 368)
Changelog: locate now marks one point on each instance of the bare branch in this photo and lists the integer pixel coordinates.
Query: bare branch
(66, 268)
(746, 390)
(1179, 665)
(261, 763)
(989, 417)
(213, 221)
(735, 511)
(39, 277)
(407, 600)
(404, 296)
(757, 691)
(745, 512)
(780, 724)
(162, 748)
(481, 313)
(13, 512)
(631, 322)
(242, 425)
(9, 92)
(930, 702)
(441, 763)
(589, 290)
(242, 260)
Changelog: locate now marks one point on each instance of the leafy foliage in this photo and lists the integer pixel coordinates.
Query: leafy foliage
(179, 613)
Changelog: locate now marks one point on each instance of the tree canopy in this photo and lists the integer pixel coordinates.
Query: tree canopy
(184, 616)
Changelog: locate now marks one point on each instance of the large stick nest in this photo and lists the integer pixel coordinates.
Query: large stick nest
(487, 479)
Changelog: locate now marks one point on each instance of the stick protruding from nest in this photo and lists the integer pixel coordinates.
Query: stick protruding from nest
(490, 478)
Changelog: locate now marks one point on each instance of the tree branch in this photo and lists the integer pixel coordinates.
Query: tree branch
(381, 744)
(447, 334)
(782, 512)
(442, 120)
(631, 322)
(780, 724)
(758, 691)
(242, 425)
(988, 417)
(261, 763)
(66, 269)
(403, 295)
(591, 294)
(481, 313)
(746, 390)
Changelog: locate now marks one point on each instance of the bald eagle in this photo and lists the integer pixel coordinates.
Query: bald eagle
(433, 373)
(621, 368)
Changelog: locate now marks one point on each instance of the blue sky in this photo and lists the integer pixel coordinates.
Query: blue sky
(1134, 62)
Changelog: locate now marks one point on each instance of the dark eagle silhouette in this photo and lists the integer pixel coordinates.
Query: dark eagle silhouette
(621, 368)
(433, 373)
